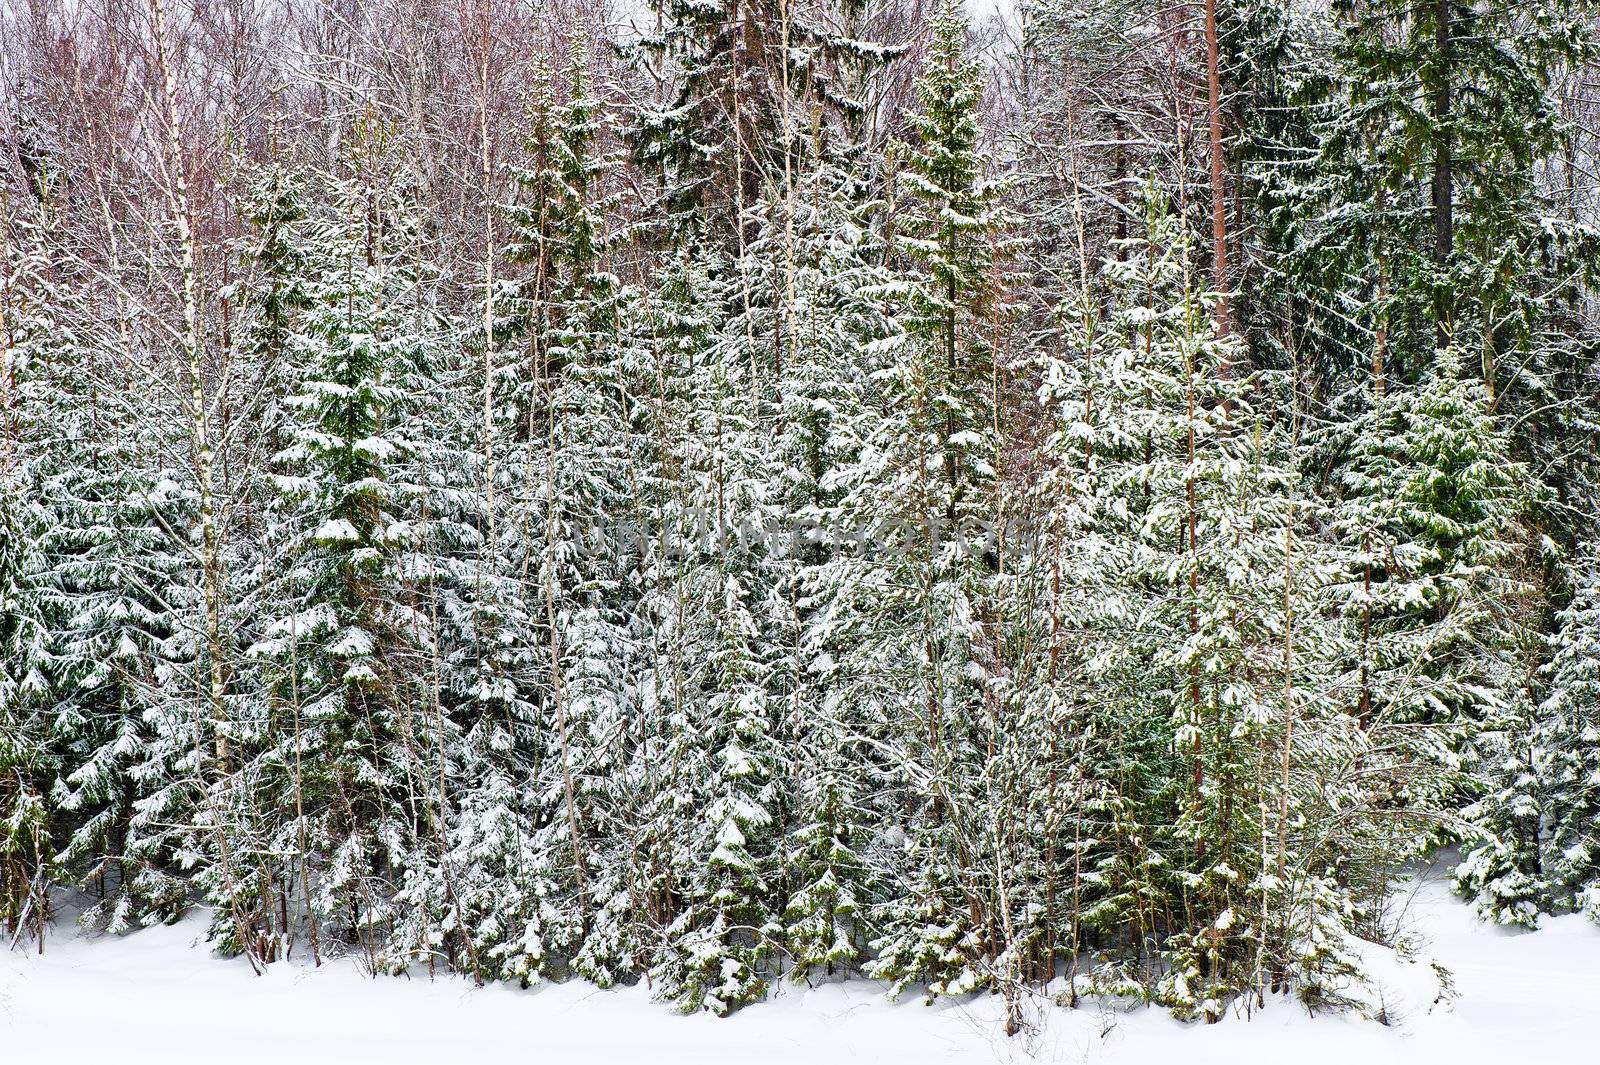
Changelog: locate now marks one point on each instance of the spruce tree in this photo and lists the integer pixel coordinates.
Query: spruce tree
(26, 690)
(927, 507)
(827, 399)
(757, 91)
(344, 621)
(725, 766)
(1432, 522)
(1565, 746)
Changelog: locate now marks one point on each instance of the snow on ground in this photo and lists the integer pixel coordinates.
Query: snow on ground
(156, 996)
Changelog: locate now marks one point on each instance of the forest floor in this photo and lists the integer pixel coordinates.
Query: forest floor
(159, 996)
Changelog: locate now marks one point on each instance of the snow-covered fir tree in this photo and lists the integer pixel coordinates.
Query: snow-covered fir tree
(1565, 755)
(926, 505)
(26, 690)
(773, 493)
(346, 614)
(1431, 519)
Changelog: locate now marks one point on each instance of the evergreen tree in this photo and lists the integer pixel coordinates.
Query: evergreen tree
(26, 765)
(758, 90)
(934, 479)
(347, 620)
(725, 768)
(827, 402)
(758, 561)
(1432, 519)
(1464, 255)
(116, 577)
(1565, 745)
(586, 592)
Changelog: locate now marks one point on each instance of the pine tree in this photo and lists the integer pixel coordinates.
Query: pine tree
(26, 765)
(1565, 743)
(346, 619)
(837, 326)
(933, 479)
(1432, 511)
(1197, 540)
(757, 91)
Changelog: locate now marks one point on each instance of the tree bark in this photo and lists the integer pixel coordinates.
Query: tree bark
(1443, 165)
(1219, 191)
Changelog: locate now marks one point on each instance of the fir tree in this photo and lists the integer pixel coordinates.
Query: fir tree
(1432, 518)
(1565, 746)
(757, 90)
(935, 483)
(347, 618)
(26, 765)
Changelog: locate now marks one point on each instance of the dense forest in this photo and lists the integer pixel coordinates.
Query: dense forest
(719, 492)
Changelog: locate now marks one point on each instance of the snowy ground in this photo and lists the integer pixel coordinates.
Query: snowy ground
(156, 997)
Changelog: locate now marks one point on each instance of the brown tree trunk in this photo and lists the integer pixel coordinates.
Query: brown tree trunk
(1219, 190)
(1443, 164)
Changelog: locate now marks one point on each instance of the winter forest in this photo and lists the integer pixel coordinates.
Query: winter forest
(712, 493)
